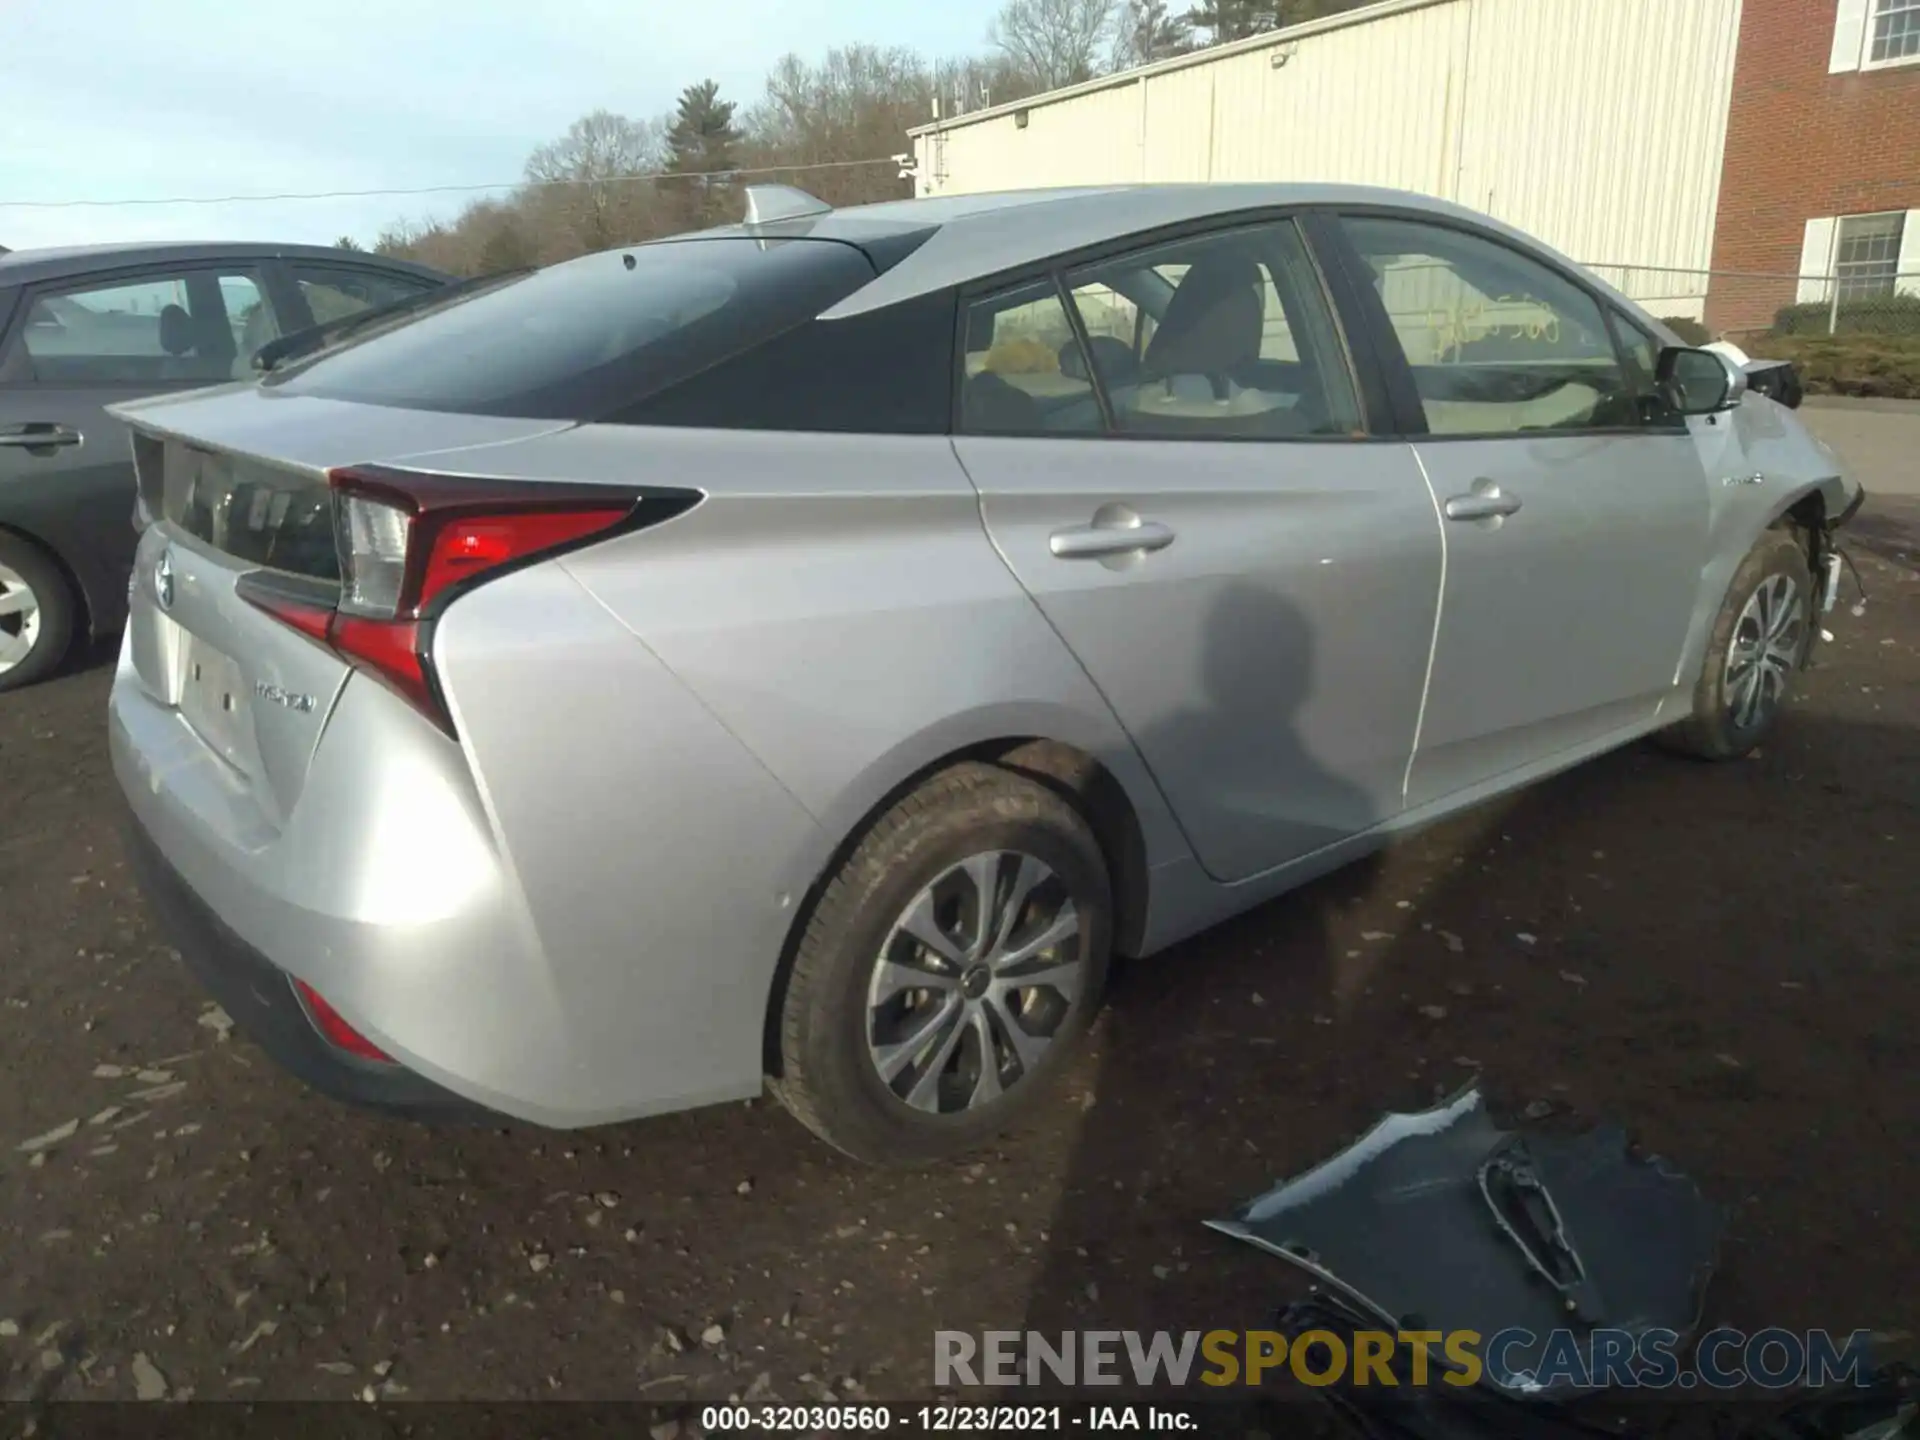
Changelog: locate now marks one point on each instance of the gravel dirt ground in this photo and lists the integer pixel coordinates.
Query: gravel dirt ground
(1720, 957)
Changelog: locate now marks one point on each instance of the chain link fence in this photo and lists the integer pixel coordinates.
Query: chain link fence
(1855, 333)
(1735, 303)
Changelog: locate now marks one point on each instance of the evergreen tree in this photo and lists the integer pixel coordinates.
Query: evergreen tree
(702, 144)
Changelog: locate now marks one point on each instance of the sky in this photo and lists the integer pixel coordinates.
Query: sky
(155, 99)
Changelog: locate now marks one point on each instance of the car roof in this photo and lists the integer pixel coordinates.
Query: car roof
(972, 237)
(66, 262)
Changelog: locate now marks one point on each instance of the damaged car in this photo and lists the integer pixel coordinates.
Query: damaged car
(807, 650)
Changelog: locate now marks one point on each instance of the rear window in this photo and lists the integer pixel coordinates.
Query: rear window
(591, 336)
(885, 372)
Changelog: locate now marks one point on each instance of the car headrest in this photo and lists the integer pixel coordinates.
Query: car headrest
(1214, 322)
(176, 330)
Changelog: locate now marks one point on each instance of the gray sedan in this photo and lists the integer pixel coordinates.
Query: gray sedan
(85, 327)
(811, 648)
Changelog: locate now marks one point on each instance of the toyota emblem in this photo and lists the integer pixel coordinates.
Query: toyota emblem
(163, 580)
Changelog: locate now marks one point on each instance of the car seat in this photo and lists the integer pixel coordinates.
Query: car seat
(994, 406)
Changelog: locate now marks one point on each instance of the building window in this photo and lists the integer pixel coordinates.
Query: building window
(1894, 32)
(1866, 255)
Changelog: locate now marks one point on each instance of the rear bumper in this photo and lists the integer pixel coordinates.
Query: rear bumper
(261, 999)
(592, 974)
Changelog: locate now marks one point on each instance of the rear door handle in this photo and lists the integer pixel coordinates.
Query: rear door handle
(1486, 504)
(39, 437)
(1099, 540)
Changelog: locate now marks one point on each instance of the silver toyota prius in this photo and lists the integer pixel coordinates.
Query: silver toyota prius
(807, 650)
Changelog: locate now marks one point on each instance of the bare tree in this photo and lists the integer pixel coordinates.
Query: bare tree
(583, 172)
(980, 81)
(1147, 31)
(1057, 42)
(1237, 19)
(853, 108)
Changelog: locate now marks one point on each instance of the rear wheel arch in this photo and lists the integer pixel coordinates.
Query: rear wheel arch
(1074, 774)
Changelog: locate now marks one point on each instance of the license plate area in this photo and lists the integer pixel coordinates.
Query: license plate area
(215, 701)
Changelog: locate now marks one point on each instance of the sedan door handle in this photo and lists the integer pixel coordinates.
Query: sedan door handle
(1487, 504)
(39, 437)
(1114, 537)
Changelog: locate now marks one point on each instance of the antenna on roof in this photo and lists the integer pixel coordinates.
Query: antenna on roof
(767, 203)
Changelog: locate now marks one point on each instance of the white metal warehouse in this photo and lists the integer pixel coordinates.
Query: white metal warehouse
(1598, 125)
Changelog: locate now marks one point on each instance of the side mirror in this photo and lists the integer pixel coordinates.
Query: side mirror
(1698, 382)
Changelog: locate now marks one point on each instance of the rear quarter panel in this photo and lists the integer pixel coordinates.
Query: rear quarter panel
(836, 605)
(674, 731)
(650, 851)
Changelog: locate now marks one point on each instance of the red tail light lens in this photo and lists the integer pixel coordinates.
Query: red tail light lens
(409, 543)
(337, 1032)
(466, 547)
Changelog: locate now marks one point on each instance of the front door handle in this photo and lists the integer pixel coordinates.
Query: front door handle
(1108, 538)
(1488, 504)
(39, 437)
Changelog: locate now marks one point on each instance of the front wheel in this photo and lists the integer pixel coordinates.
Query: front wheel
(948, 969)
(1759, 641)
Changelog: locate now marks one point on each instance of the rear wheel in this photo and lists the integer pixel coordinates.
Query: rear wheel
(36, 614)
(1759, 641)
(948, 969)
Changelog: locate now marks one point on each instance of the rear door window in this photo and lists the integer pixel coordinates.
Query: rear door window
(169, 327)
(1025, 371)
(1219, 336)
(591, 337)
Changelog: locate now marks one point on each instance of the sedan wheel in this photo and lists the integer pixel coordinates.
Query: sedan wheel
(947, 969)
(19, 619)
(974, 981)
(1768, 640)
(1758, 642)
(36, 614)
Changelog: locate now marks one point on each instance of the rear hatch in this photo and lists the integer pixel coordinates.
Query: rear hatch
(297, 529)
(254, 690)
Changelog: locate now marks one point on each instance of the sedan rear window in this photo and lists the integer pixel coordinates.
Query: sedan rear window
(591, 336)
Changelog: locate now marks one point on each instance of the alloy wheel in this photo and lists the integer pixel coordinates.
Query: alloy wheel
(19, 618)
(975, 979)
(1768, 640)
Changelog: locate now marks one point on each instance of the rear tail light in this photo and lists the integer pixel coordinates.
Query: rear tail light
(409, 544)
(336, 1031)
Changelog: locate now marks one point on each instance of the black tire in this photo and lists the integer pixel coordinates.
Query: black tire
(829, 1079)
(1714, 731)
(54, 613)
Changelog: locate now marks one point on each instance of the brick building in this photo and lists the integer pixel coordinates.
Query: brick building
(1821, 174)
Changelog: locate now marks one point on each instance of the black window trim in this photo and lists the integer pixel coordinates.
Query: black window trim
(1364, 373)
(254, 268)
(1371, 317)
(1669, 420)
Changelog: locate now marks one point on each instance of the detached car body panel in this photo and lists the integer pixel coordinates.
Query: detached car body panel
(521, 677)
